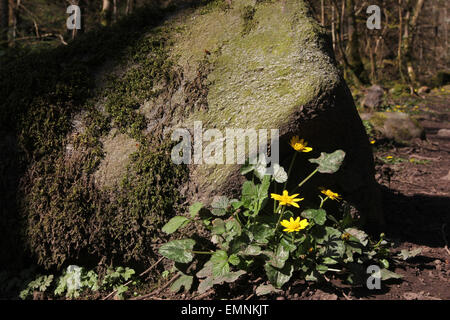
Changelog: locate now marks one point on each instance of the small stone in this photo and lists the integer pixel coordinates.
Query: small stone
(373, 98)
(397, 126)
(447, 177)
(321, 295)
(410, 296)
(444, 133)
(423, 89)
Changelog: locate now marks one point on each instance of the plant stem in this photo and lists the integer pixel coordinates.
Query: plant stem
(304, 180)
(290, 169)
(202, 252)
(236, 214)
(274, 201)
(322, 202)
(308, 177)
(279, 219)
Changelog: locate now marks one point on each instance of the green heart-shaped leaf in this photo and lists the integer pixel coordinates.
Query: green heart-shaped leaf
(174, 224)
(278, 277)
(319, 216)
(220, 265)
(195, 209)
(183, 281)
(178, 250)
(329, 162)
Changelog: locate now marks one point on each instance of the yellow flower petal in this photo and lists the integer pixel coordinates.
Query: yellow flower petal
(285, 223)
(286, 199)
(303, 224)
(299, 144)
(330, 194)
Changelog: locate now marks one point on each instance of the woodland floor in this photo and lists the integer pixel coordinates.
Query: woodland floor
(416, 202)
(415, 184)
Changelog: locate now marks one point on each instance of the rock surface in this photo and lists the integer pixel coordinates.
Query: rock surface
(398, 126)
(267, 66)
(280, 74)
(424, 89)
(373, 97)
(444, 133)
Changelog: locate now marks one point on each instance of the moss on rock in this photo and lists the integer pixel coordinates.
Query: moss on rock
(52, 210)
(397, 126)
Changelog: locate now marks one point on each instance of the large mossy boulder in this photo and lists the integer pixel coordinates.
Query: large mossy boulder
(96, 176)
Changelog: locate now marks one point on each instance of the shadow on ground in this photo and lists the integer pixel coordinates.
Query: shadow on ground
(418, 219)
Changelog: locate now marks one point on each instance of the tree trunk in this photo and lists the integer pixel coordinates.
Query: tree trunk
(322, 12)
(12, 21)
(400, 35)
(408, 38)
(114, 11)
(340, 38)
(4, 23)
(353, 56)
(333, 29)
(130, 7)
(373, 63)
(83, 7)
(106, 13)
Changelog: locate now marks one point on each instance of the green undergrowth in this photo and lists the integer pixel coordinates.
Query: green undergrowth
(72, 283)
(278, 242)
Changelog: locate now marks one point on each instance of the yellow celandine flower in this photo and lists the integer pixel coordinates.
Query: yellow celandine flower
(330, 194)
(389, 157)
(292, 225)
(299, 145)
(286, 199)
(345, 236)
(372, 141)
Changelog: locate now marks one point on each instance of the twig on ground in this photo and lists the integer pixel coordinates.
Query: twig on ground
(434, 193)
(345, 296)
(445, 238)
(140, 275)
(159, 290)
(203, 295)
(250, 296)
(424, 158)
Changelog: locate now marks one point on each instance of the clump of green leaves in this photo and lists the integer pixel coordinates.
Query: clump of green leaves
(75, 281)
(115, 279)
(368, 127)
(40, 284)
(247, 236)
